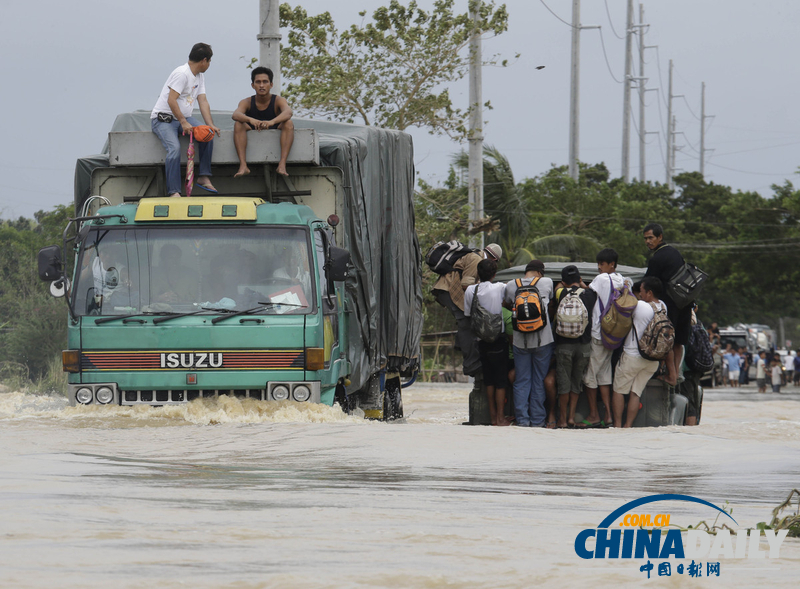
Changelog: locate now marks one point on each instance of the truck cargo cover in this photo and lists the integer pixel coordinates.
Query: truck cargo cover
(386, 291)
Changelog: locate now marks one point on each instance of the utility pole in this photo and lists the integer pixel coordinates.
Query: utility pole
(626, 97)
(642, 132)
(669, 129)
(269, 41)
(475, 187)
(674, 151)
(702, 128)
(574, 90)
(574, 108)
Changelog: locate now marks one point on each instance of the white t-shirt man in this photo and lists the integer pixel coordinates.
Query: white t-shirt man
(602, 286)
(642, 315)
(544, 336)
(187, 85)
(490, 296)
(788, 361)
(761, 368)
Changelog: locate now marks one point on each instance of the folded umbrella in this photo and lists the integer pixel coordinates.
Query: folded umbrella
(190, 166)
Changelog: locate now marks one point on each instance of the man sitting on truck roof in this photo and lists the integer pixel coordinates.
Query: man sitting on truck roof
(262, 111)
(173, 113)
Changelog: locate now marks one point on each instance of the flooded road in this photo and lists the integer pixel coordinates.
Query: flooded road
(251, 494)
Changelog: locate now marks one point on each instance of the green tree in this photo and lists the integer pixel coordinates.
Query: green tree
(389, 72)
(33, 322)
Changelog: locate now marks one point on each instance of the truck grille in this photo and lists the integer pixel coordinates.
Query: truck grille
(169, 397)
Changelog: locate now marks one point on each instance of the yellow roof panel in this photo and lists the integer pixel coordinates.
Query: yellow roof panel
(205, 208)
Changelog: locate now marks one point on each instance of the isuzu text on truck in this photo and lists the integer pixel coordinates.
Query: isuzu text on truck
(304, 288)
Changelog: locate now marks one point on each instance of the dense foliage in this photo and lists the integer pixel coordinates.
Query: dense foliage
(32, 323)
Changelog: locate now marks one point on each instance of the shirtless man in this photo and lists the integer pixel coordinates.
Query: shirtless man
(262, 111)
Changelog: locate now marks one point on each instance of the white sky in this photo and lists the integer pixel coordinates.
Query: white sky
(70, 67)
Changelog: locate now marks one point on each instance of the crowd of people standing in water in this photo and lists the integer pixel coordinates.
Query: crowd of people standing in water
(550, 343)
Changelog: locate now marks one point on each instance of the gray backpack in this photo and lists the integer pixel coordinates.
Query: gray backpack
(485, 325)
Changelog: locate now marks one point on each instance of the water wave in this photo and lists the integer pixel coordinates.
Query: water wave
(225, 409)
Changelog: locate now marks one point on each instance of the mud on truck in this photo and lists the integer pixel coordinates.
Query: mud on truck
(303, 288)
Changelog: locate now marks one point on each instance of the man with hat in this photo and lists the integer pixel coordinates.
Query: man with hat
(449, 292)
(573, 306)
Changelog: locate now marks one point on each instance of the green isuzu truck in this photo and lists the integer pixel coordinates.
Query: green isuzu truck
(303, 288)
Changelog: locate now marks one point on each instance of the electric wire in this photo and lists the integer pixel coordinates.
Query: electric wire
(570, 25)
(608, 14)
(605, 55)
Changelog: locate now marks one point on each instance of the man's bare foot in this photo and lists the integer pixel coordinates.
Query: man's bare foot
(282, 169)
(175, 195)
(504, 422)
(243, 171)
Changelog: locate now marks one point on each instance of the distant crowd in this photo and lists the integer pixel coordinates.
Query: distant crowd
(549, 343)
(771, 367)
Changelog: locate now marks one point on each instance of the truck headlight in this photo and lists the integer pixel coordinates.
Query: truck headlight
(84, 396)
(280, 393)
(301, 393)
(104, 395)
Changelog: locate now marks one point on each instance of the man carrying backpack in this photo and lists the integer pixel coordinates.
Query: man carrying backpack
(663, 264)
(528, 298)
(449, 292)
(598, 373)
(634, 371)
(493, 346)
(574, 304)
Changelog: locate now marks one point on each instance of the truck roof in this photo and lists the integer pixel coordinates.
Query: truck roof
(209, 210)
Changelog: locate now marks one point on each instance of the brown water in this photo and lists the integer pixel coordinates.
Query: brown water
(251, 494)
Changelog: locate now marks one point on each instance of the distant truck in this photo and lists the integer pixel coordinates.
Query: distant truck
(304, 288)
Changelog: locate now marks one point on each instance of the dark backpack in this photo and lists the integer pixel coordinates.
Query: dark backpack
(443, 255)
(685, 285)
(699, 352)
(485, 325)
(527, 313)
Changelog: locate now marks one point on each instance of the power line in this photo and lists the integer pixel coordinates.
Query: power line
(611, 23)
(689, 107)
(608, 65)
(754, 173)
(570, 25)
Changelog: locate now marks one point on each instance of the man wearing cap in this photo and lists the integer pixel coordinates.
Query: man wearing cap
(532, 352)
(449, 292)
(573, 349)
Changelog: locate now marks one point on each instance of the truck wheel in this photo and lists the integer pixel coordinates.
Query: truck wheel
(393, 399)
(345, 401)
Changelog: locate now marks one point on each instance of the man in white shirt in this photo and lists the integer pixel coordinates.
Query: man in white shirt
(493, 355)
(172, 114)
(532, 352)
(598, 373)
(788, 366)
(633, 371)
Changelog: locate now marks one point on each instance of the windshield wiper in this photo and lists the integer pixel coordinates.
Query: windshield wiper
(261, 307)
(158, 320)
(117, 317)
(162, 315)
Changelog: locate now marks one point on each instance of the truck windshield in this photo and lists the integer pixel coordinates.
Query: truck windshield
(179, 270)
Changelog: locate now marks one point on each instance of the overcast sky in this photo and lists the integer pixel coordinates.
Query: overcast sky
(69, 68)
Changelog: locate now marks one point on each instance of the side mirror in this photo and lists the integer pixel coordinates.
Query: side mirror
(337, 264)
(50, 267)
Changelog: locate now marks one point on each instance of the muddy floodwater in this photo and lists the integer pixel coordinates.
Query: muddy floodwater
(250, 494)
